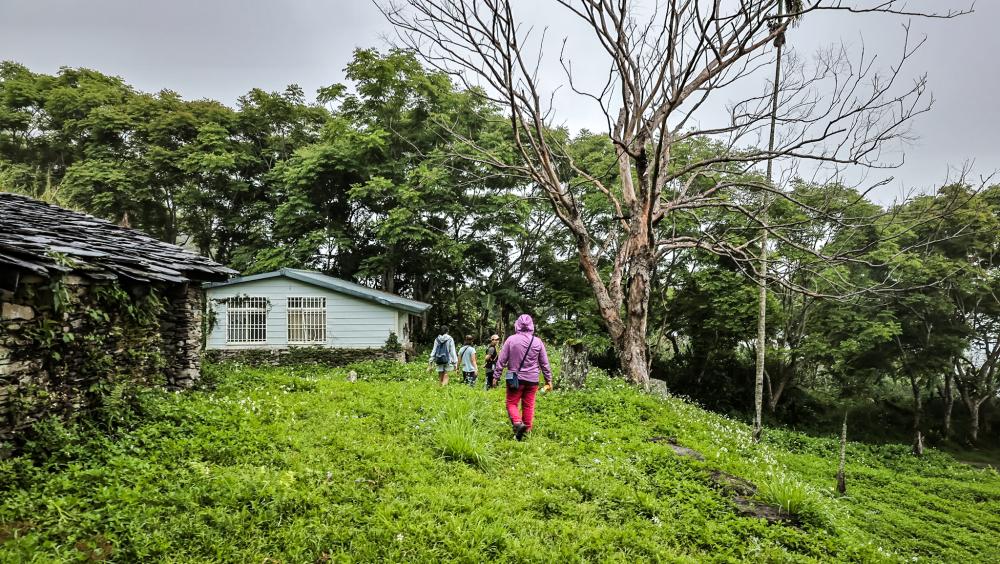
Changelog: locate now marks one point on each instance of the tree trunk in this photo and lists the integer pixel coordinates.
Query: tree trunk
(758, 394)
(633, 355)
(673, 344)
(762, 275)
(986, 426)
(633, 350)
(389, 276)
(786, 375)
(484, 319)
(841, 479)
(506, 327)
(459, 311)
(974, 406)
(918, 439)
(968, 387)
(575, 365)
(949, 402)
(172, 226)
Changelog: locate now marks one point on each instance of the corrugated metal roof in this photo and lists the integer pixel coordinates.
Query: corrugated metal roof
(335, 284)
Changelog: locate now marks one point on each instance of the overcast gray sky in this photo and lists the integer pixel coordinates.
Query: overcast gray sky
(222, 48)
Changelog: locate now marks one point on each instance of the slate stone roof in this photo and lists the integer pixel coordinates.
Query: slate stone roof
(48, 241)
(337, 285)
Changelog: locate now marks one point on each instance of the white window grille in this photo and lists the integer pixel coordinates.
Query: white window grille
(306, 320)
(247, 320)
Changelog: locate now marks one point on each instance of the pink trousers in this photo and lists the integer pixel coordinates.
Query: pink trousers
(525, 395)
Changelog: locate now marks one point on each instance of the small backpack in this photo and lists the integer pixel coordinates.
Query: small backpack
(441, 355)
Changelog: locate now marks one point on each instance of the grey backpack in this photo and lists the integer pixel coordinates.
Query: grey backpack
(441, 355)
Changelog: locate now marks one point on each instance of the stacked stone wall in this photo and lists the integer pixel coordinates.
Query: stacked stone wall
(181, 326)
(321, 356)
(66, 344)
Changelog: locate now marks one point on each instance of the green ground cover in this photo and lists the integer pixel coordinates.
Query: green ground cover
(299, 465)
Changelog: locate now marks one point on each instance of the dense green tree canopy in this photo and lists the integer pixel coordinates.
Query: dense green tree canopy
(366, 183)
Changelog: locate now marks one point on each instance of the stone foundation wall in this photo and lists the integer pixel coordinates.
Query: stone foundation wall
(181, 327)
(300, 355)
(17, 371)
(66, 344)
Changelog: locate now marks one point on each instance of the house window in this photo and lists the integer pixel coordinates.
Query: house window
(306, 320)
(247, 320)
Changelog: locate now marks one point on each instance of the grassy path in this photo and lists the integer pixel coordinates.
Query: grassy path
(298, 465)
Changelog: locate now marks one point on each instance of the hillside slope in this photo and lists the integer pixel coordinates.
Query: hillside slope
(299, 465)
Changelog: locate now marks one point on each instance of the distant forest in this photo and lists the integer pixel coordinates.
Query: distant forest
(369, 183)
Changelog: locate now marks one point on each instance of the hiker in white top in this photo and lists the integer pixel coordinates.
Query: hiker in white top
(443, 355)
(470, 367)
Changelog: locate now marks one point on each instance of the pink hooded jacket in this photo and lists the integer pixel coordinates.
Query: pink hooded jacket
(513, 350)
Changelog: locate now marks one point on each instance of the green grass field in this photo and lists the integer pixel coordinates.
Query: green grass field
(299, 465)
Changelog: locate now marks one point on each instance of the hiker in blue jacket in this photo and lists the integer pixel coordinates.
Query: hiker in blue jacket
(443, 355)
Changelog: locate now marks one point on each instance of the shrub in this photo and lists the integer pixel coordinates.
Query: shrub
(392, 344)
(793, 498)
(52, 439)
(460, 440)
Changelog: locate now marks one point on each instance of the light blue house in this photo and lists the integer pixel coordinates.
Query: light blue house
(290, 307)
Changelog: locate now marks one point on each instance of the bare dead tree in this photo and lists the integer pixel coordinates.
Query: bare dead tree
(665, 65)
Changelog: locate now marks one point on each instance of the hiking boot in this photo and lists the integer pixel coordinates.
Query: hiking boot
(519, 430)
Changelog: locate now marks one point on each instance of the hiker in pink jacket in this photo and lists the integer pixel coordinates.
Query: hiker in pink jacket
(523, 354)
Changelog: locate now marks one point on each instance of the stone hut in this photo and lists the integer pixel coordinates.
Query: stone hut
(87, 308)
